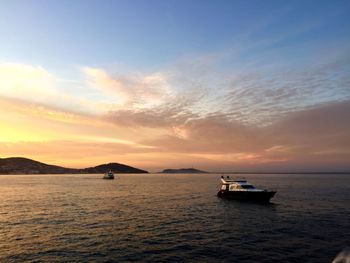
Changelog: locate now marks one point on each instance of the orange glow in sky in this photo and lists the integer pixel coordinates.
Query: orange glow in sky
(246, 91)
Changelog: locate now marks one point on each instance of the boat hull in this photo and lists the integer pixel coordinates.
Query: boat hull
(261, 197)
(108, 177)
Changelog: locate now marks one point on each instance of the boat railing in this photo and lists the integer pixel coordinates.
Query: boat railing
(228, 179)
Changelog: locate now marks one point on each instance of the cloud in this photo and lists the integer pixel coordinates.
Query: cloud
(261, 98)
(172, 112)
(26, 82)
(304, 138)
(319, 129)
(250, 98)
(223, 118)
(279, 119)
(35, 85)
(141, 91)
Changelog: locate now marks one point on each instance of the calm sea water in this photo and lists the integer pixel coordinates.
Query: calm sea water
(171, 218)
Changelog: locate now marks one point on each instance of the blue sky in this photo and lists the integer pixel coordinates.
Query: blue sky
(225, 84)
(150, 34)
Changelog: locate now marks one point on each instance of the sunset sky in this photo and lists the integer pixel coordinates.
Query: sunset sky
(216, 85)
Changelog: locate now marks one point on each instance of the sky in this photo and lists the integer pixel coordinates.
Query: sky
(216, 85)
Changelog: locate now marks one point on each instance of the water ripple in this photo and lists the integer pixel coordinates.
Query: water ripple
(175, 218)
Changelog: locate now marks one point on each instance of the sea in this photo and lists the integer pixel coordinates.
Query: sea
(172, 218)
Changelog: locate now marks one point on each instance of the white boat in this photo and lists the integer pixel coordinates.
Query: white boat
(108, 175)
(240, 189)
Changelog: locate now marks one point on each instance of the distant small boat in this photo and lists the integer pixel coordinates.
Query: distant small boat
(243, 191)
(109, 175)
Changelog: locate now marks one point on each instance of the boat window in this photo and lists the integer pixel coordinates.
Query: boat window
(232, 186)
(247, 186)
(223, 187)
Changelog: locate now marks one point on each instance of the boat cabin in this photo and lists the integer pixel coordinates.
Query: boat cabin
(229, 184)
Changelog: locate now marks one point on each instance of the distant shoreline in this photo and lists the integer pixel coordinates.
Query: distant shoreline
(219, 173)
(23, 166)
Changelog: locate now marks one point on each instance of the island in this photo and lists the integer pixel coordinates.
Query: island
(183, 171)
(20, 165)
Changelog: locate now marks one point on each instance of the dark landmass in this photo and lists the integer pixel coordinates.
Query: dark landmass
(114, 167)
(20, 165)
(183, 171)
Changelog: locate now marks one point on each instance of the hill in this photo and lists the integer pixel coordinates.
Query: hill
(20, 165)
(115, 167)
